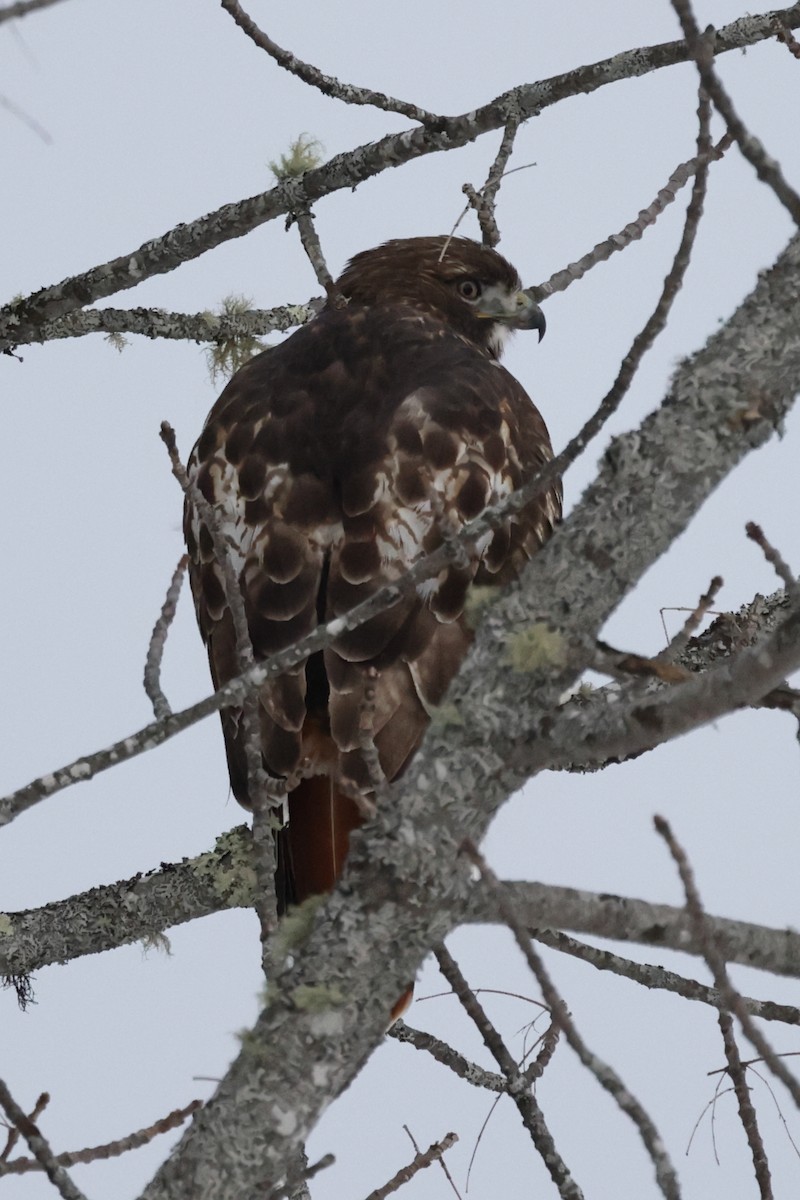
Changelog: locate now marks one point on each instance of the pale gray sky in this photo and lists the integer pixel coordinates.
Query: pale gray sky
(159, 113)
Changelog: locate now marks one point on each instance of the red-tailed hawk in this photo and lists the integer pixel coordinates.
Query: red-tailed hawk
(335, 461)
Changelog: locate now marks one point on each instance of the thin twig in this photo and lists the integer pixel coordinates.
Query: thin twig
(39, 1146)
(327, 84)
(701, 48)
(605, 1075)
(517, 1086)
(419, 1162)
(25, 117)
(173, 1120)
(158, 640)
(441, 1161)
(562, 279)
(789, 40)
(773, 557)
(483, 201)
(257, 781)
(716, 964)
(651, 976)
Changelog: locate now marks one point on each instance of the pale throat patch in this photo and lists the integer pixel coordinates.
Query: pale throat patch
(499, 336)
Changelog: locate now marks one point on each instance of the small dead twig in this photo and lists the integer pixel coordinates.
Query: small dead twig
(422, 1159)
(173, 1120)
(440, 1160)
(773, 557)
(517, 1086)
(785, 35)
(158, 640)
(39, 1146)
(681, 640)
(603, 1073)
(622, 664)
(483, 201)
(701, 48)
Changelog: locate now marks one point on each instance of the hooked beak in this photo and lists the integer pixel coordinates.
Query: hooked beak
(518, 311)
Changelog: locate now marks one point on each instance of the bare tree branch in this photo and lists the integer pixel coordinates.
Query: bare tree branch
(23, 7)
(484, 201)
(158, 640)
(191, 327)
(773, 557)
(20, 320)
(327, 84)
(747, 1113)
(561, 280)
(605, 1075)
(40, 1147)
(517, 1086)
(133, 1141)
(141, 908)
(701, 48)
(650, 976)
(421, 1160)
(716, 965)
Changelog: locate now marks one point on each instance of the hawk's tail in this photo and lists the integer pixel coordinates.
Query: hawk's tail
(314, 844)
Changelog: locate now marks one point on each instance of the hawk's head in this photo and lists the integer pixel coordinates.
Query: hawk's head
(470, 287)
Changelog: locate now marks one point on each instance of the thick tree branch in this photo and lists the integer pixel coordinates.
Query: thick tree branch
(190, 327)
(141, 908)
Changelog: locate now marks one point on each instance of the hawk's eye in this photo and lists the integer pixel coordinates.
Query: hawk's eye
(469, 289)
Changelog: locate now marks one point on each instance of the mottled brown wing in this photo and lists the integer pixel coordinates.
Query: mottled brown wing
(336, 461)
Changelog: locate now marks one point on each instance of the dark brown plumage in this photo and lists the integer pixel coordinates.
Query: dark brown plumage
(322, 456)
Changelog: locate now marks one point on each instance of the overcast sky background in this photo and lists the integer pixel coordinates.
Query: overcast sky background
(158, 113)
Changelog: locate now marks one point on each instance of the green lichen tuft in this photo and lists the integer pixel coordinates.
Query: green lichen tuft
(305, 153)
(226, 355)
(156, 941)
(445, 714)
(479, 597)
(317, 998)
(535, 648)
(295, 927)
